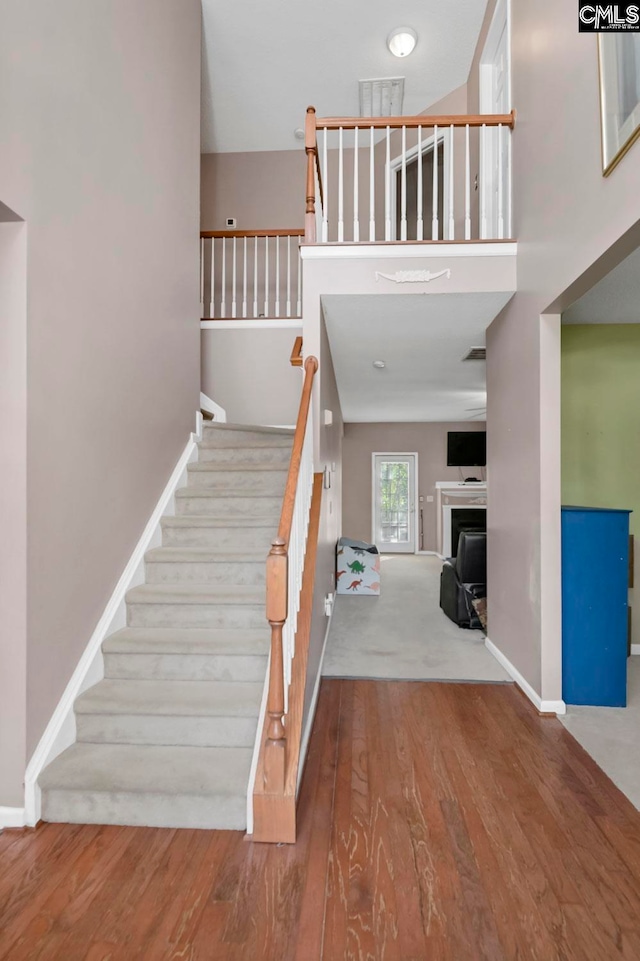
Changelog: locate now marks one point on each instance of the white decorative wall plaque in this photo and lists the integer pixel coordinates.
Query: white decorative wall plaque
(413, 276)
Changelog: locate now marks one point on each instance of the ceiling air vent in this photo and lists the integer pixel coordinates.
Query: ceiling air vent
(381, 98)
(476, 353)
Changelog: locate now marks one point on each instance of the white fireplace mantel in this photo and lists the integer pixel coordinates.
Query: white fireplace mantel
(455, 495)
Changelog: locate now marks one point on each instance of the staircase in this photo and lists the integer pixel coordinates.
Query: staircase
(167, 738)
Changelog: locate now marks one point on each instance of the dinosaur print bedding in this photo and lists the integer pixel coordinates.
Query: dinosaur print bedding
(357, 568)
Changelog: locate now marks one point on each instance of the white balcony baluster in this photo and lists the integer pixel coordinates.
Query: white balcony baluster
(223, 295)
(325, 206)
(467, 187)
(277, 279)
(233, 282)
(266, 276)
(403, 187)
(356, 219)
(387, 189)
(340, 188)
(288, 276)
(435, 226)
(212, 289)
(202, 276)
(372, 187)
(452, 223)
(244, 276)
(255, 276)
(419, 205)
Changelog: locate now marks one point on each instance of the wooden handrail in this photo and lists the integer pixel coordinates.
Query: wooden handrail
(296, 354)
(292, 232)
(421, 120)
(277, 599)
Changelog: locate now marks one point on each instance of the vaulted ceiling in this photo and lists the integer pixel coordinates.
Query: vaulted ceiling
(265, 61)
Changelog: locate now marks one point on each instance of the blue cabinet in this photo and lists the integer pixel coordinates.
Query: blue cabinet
(595, 577)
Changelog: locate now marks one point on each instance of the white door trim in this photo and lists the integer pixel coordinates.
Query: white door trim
(500, 21)
(416, 516)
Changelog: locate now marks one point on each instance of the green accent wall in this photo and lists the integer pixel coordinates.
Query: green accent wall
(601, 416)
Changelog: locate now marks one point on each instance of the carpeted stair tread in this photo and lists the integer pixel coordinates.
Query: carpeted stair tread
(172, 698)
(201, 641)
(203, 555)
(150, 769)
(252, 429)
(200, 466)
(195, 594)
(215, 520)
(218, 493)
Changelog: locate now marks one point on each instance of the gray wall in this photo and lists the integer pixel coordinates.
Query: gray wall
(264, 190)
(429, 440)
(13, 506)
(99, 153)
(568, 221)
(248, 372)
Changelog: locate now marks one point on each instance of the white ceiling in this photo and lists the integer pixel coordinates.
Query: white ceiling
(422, 339)
(615, 300)
(265, 61)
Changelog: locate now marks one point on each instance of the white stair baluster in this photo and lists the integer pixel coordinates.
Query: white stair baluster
(340, 188)
(467, 188)
(255, 276)
(223, 298)
(452, 224)
(419, 212)
(299, 299)
(372, 188)
(387, 189)
(356, 199)
(325, 184)
(403, 187)
(277, 276)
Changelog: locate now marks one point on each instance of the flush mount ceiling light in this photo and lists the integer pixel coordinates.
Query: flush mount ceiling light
(402, 41)
(379, 364)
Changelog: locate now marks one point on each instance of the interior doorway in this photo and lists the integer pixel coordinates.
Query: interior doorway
(394, 502)
(495, 143)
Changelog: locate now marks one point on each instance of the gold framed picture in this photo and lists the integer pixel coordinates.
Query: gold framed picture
(619, 59)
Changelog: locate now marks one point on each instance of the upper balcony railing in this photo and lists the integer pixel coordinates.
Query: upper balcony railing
(249, 274)
(396, 179)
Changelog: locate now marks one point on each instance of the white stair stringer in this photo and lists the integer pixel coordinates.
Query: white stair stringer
(167, 738)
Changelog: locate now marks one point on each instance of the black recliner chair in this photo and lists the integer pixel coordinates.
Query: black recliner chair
(464, 578)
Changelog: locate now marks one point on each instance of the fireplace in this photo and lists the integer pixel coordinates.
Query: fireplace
(466, 519)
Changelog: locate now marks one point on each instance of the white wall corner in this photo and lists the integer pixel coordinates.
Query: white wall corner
(60, 732)
(545, 707)
(12, 817)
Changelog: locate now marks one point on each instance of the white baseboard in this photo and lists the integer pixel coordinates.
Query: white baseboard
(545, 707)
(60, 732)
(635, 648)
(257, 745)
(12, 817)
(312, 707)
(433, 553)
(219, 413)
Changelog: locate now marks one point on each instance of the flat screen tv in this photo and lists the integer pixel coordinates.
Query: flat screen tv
(467, 448)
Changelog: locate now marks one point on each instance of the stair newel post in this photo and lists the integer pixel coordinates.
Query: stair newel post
(310, 146)
(277, 602)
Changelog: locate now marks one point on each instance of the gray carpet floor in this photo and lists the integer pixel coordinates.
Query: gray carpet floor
(403, 634)
(611, 735)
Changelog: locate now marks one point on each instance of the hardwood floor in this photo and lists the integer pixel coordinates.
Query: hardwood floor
(445, 822)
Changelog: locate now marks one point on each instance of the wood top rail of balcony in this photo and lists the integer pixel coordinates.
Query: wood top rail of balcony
(281, 232)
(421, 120)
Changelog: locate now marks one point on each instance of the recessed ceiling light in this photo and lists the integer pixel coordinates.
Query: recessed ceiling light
(379, 364)
(401, 41)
